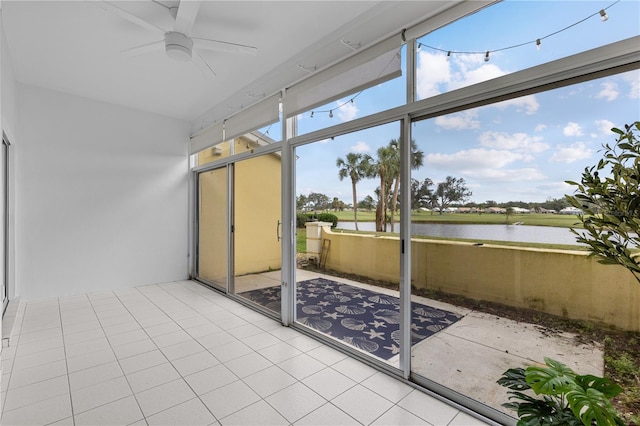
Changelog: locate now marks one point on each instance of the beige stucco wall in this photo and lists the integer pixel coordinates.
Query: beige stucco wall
(257, 212)
(212, 227)
(564, 283)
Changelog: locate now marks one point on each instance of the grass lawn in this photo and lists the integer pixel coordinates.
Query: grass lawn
(536, 219)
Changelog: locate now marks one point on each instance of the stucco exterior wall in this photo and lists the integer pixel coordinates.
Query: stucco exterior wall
(563, 283)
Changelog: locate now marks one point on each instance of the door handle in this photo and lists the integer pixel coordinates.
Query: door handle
(278, 230)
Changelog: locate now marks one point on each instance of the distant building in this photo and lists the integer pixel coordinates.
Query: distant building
(571, 210)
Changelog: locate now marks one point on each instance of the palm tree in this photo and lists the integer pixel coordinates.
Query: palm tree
(356, 166)
(383, 168)
(417, 160)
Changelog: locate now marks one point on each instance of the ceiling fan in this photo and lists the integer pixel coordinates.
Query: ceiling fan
(177, 43)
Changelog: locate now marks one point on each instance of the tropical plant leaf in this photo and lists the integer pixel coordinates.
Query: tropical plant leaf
(607, 386)
(591, 406)
(539, 413)
(514, 378)
(555, 379)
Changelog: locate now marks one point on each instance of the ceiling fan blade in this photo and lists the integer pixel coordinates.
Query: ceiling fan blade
(186, 16)
(112, 7)
(154, 46)
(202, 65)
(223, 46)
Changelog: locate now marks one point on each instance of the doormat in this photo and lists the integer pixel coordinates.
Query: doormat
(368, 320)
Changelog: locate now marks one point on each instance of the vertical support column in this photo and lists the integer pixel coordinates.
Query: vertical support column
(287, 272)
(405, 247)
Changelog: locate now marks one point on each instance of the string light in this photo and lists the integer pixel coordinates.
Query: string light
(603, 15)
(330, 113)
(538, 41)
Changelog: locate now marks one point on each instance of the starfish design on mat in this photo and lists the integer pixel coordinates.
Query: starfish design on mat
(300, 302)
(446, 321)
(358, 296)
(274, 298)
(312, 295)
(324, 303)
(393, 348)
(416, 327)
(423, 319)
(374, 334)
(377, 324)
(333, 315)
(366, 304)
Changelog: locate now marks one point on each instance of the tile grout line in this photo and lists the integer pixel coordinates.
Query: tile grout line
(168, 360)
(66, 363)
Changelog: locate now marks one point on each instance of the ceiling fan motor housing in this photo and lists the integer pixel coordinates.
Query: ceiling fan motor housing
(178, 46)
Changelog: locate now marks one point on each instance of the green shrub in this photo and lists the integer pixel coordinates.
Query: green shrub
(302, 218)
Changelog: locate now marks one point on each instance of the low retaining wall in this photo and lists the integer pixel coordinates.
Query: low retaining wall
(563, 283)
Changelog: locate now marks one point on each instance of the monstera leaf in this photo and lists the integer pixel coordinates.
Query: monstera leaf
(608, 388)
(563, 397)
(590, 405)
(514, 378)
(555, 379)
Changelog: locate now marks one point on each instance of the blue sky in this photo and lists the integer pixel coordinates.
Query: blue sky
(523, 149)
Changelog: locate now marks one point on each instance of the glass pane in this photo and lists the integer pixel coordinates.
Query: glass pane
(246, 142)
(369, 101)
(491, 246)
(347, 280)
(216, 152)
(212, 227)
(257, 230)
(454, 56)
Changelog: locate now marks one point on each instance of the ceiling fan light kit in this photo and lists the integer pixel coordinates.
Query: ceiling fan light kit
(178, 46)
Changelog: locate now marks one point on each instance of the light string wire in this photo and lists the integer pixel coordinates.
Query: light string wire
(536, 41)
(353, 98)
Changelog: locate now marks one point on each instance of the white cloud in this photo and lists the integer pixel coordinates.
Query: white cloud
(604, 127)
(346, 111)
(633, 78)
(540, 127)
(360, 147)
(609, 91)
(519, 142)
(527, 103)
(433, 70)
(478, 75)
(473, 159)
(509, 175)
(571, 153)
(435, 75)
(464, 120)
(572, 129)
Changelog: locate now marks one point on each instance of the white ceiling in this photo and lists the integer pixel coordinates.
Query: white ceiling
(75, 47)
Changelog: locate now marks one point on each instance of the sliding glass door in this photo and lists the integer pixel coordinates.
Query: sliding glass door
(257, 230)
(239, 229)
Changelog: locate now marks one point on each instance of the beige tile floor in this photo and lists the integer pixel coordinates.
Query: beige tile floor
(181, 354)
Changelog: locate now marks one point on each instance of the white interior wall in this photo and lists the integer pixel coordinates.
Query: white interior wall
(102, 196)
